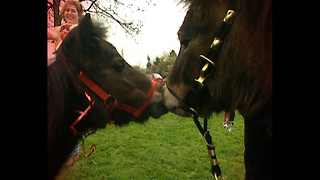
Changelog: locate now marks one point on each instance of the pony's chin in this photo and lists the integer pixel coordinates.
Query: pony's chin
(158, 109)
(155, 111)
(180, 112)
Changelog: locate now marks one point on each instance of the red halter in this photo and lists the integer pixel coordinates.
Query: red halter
(105, 96)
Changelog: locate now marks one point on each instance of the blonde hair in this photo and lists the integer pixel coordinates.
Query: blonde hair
(76, 4)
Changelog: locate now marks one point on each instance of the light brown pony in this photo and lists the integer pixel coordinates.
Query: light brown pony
(242, 78)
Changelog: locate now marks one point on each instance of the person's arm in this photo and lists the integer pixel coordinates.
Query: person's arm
(54, 33)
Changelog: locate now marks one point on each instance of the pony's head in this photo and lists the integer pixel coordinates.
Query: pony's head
(85, 49)
(242, 75)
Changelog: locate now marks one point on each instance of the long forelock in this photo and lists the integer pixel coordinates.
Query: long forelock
(185, 2)
(100, 31)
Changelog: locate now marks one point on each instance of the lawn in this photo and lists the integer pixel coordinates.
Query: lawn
(166, 148)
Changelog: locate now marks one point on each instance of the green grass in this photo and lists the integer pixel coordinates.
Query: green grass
(166, 148)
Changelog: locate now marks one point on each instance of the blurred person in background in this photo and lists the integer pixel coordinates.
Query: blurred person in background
(71, 13)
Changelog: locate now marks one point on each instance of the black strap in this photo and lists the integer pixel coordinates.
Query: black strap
(196, 121)
(215, 168)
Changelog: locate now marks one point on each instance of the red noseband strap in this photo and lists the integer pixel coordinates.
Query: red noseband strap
(105, 96)
(134, 111)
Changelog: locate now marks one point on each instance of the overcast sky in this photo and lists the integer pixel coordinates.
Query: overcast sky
(159, 32)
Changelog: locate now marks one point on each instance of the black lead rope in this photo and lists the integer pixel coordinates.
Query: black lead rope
(215, 168)
(208, 66)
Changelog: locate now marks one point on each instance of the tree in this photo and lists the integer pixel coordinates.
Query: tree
(104, 11)
(163, 64)
(148, 63)
(157, 61)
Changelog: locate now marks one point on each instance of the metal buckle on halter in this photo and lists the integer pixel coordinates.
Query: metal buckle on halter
(216, 43)
(203, 73)
(229, 16)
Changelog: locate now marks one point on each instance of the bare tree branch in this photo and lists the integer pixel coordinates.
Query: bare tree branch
(49, 5)
(103, 12)
(90, 6)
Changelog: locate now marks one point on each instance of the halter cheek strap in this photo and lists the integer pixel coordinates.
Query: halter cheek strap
(94, 87)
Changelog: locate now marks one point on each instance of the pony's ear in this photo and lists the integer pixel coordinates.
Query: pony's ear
(85, 25)
(87, 35)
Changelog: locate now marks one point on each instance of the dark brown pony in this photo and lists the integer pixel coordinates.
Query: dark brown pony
(85, 49)
(242, 78)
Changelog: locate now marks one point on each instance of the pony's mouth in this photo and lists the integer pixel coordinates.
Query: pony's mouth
(154, 109)
(157, 107)
(172, 103)
(158, 110)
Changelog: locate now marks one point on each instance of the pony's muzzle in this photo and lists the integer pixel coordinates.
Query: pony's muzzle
(172, 103)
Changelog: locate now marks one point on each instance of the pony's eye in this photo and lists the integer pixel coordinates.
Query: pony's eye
(118, 66)
(184, 43)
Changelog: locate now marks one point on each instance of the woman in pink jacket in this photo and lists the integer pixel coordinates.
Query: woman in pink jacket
(71, 13)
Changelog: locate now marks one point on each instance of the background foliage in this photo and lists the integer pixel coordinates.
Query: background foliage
(161, 65)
